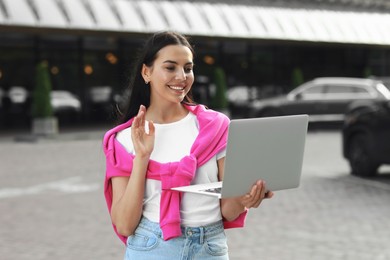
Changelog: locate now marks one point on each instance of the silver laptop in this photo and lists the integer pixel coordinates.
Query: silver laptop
(270, 149)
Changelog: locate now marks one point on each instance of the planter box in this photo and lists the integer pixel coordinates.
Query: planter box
(45, 126)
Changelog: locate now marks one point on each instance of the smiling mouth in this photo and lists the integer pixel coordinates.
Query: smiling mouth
(176, 88)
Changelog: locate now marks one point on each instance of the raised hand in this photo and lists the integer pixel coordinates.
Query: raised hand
(143, 141)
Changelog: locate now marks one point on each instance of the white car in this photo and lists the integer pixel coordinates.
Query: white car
(64, 101)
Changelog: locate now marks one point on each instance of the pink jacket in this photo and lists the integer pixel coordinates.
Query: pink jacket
(212, 138)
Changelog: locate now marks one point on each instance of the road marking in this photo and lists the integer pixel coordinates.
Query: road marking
(70, 185)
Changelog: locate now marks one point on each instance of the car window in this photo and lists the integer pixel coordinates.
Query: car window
(347, 92)
(312, 92)
(383, 90)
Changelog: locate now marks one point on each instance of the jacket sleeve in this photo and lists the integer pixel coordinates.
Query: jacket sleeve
(237, 223)
(118, 163)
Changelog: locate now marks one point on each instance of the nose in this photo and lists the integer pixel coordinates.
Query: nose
(181, 74)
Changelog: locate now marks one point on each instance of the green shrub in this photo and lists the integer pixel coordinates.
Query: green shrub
(41, 106)
(219, 79)
(367, 72)
(297, 77)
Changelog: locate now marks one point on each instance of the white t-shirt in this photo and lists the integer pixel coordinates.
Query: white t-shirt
(173, 141)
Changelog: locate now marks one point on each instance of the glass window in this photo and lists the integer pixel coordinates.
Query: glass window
(17, 60)
(313, 90)
(62, 58)
(360, 90)
(383, 90)
(335, 89)
(347, 92)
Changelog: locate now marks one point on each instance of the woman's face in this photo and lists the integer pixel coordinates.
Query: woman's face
(171, 75)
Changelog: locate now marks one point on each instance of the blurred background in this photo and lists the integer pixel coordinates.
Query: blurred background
(64, 66)
(262, 48)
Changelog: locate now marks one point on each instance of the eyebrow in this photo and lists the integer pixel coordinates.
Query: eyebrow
(174, 62)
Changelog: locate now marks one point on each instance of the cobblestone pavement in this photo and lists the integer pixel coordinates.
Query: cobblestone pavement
(52, 206)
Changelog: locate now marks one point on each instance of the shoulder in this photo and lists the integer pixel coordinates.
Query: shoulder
(124, 138)
(204, 113)
(120, 133)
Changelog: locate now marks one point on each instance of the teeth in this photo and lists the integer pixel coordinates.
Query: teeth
(176, 88)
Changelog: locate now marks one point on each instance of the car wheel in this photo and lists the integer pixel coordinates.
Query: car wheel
(359, 157)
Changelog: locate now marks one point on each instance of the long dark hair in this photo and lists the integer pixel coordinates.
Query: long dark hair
(137, 92)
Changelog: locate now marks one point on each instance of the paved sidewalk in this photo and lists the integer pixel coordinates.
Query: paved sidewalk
(65, 133)
(52, 206)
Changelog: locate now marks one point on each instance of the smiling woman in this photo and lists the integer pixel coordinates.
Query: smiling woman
(165, 140)
(170, 80)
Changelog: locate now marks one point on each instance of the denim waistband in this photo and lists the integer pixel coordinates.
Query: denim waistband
(202, 231)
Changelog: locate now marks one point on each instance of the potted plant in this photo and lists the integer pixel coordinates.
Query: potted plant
(219, 101)
(297, 77)
(44, 123)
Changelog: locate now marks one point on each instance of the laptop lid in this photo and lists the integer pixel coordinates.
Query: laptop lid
(271, 149)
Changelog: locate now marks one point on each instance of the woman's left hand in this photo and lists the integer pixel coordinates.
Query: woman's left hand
(143, 141)
(256, 195)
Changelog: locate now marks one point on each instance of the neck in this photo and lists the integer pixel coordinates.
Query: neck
(161, 114)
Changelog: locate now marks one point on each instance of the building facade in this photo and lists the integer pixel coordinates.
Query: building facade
(90, 44)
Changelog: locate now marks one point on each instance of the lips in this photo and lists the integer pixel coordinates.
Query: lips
(176, 88)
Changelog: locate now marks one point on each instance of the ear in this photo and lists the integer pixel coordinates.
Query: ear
(145, 72)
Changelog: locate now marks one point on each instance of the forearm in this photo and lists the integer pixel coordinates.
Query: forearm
(127, 211)
(231, 208)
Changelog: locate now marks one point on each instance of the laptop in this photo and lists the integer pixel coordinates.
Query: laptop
(270, 149)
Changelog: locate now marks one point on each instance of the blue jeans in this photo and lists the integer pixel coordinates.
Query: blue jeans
(207, 242)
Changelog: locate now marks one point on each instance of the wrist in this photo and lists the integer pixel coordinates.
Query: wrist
(142, 159)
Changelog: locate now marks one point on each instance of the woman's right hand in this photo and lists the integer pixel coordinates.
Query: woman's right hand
(256, 195)
(143, 141)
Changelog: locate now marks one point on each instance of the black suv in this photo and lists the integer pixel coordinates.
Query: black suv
(366, 137)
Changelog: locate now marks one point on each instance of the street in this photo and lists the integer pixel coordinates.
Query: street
(52, 206)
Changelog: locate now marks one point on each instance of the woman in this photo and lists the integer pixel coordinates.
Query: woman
(164, 140)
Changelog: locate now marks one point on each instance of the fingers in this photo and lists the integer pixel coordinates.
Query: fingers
(139, 119)
(269, 194)
(141, 115)
(151, 128)
(257, 193)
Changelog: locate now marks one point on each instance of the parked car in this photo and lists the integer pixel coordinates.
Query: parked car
(239, 97)
(18, 94)
(100, 101)
(63, 101)
(366, 137)
(323, 99)
(17, 101)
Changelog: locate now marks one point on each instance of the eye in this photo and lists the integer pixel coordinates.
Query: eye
(171, 68)
(188, 69)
